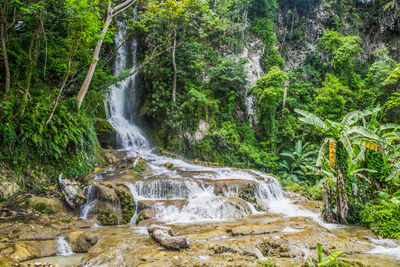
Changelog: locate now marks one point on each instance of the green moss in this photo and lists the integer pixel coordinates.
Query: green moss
(139, 219)
(249, 194)
(103, 126)
(43, 208)
(107, 217)
(138, 167)
(127, 205)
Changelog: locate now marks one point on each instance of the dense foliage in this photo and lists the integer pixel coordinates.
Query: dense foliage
(330, 83)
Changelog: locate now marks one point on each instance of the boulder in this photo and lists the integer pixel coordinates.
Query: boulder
(81, 241)
(72, 192)
(110, 157)
(108, 204)
(52, 205)
(165, 237)
(106, 134)
(12, 253)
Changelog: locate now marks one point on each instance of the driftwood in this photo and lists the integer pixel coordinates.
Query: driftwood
(165, 237)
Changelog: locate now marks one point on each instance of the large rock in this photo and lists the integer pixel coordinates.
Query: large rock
(13, 253)
(81, 241)
(54, 205)
(72, 192)
(107, 202)
(165, 237)
(106, 134)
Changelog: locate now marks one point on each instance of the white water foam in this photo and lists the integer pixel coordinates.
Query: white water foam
(64, 249)
(200, 208)
(90, 194)
(386, 247)
(285, 206)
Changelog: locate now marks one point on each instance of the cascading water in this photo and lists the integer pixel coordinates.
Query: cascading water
(64, 249)
(90, 194)
(203, 201)
(122, 99)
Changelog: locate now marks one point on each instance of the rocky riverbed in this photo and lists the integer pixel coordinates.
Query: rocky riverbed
(238, 224)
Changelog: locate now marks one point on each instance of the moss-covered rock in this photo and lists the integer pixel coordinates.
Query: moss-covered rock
(248, 193)
(106, 134)
(107, 217)
(127, 205)
(107, 199)
(47, 205)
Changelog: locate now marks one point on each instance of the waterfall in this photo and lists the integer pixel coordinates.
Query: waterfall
(188, 192)
(123, 96)
(64, 249)
(90, 194)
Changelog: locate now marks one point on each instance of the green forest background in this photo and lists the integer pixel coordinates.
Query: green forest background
(326, 110)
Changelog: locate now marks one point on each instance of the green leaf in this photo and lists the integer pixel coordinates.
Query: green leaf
(323, 151)
(310, 118)
(319, 249)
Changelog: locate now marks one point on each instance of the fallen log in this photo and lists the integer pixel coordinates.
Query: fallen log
(165, 237)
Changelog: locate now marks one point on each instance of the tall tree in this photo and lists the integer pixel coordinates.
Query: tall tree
(112, 11)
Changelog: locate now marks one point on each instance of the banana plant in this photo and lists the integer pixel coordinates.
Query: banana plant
(348, 134)
(299, 161)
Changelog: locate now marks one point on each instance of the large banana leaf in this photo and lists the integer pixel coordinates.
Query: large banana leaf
(389, 126)
(344, 139)
(322, 152)
(287, 154)
(327, 261)
(354, 116)
(310, 118)
(368, 143)
(363, 132)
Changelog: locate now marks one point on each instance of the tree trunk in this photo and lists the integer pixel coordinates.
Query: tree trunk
(344, 208)
(34, 49)
(285, 87)
(338, 201)
(328, 213)
(61, 89)
(5, 54)
(111, 13)
(95, 59)
(174, 66)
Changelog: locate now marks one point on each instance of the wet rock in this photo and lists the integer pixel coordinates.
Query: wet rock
(164, 236)
(16, 252)
(108, 205)
(72, 192)
(81, 241)
(106, 134)
(112, 157)
(276, 247)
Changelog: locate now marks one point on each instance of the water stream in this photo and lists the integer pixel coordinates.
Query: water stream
(64, 249)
